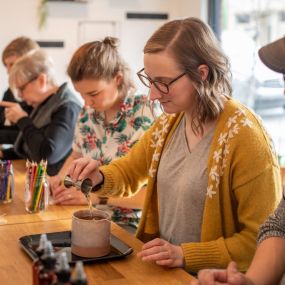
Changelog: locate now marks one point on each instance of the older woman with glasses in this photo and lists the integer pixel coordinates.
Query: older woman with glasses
(212, 175)
(48, 131)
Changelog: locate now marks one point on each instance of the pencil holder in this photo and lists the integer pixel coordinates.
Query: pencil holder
(36, 189)
(6, 181)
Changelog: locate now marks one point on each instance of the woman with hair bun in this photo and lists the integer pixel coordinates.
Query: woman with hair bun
(113, 119)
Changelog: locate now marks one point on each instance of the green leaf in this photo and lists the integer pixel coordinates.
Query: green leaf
(42, 13)
(121, 126)
(121, 138)
(84, 119)
(143, 122)
(85, 130)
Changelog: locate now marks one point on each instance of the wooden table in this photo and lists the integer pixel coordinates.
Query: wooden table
(16, 266)
(15, 213)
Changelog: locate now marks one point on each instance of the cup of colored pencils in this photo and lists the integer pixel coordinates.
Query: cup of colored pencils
(6, 181)
(36, 187)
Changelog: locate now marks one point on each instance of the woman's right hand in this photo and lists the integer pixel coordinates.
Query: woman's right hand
(86, 168)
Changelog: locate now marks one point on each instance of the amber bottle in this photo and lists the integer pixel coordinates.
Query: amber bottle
(47, 274)
(63, 271)
(38, 261)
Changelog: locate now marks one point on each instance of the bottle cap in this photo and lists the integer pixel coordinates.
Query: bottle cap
(42, 244)
(79, 277)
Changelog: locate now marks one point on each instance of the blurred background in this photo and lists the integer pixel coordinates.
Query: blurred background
(243, 26)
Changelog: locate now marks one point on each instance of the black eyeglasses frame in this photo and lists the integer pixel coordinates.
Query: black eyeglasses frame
(156, 82)
(22, 88)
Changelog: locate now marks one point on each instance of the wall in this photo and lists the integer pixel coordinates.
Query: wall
(65, 20)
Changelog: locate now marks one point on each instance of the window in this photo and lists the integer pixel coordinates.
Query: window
(245, 26)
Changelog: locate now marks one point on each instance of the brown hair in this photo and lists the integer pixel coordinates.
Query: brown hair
(192, 43)
(100, 60)
(19, 47)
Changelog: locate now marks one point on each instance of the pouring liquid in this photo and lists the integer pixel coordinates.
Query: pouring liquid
(85, 186)
(89, 201)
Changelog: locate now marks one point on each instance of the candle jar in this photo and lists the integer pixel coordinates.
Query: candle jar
(36, 193)
(6, 181)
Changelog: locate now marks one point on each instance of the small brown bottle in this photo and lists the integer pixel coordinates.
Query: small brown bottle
(47, 274)
(63, 271)
(38, 261)
(79, 276)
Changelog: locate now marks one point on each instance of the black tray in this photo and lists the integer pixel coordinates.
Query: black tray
(61, 242)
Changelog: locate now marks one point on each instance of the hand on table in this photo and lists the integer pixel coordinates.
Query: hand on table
(229, 276)
(13, 111)
(65, 196)
(162, 253)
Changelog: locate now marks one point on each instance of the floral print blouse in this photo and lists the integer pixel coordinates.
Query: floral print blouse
(106, 142)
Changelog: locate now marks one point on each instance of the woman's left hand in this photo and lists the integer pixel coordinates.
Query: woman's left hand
(13, 111)
(162, 253)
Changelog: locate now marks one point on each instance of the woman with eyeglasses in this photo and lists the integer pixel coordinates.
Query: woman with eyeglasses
(212, 175)
(48, 131)
(112, 121)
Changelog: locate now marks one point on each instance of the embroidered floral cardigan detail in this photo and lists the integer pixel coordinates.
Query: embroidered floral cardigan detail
(243, 186)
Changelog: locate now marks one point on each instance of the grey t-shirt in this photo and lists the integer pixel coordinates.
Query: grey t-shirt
(182, 182)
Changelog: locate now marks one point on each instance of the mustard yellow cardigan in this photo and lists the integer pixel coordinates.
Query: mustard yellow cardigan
(244, 186)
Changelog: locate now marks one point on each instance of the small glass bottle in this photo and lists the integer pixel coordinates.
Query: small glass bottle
(63, 271)
(6, 181)
(79, 276)
(36, 190)
(38, 262)
(47, 274)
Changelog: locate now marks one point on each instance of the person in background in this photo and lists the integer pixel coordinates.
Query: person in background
(15, 49)
(212, 176)
(113, 120)
(267, 266)
(47, 132)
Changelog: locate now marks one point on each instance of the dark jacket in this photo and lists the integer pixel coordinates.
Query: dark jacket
(48, 132)
(8, 134)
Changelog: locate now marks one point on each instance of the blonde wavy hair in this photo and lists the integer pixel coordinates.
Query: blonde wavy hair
(192, 43)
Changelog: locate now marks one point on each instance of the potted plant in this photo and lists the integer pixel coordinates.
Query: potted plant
(42, 13)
